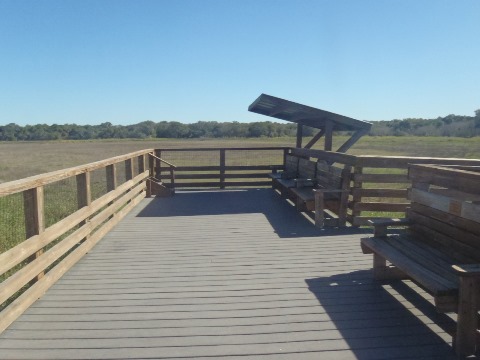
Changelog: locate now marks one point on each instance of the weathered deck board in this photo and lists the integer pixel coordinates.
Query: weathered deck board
(236, 275)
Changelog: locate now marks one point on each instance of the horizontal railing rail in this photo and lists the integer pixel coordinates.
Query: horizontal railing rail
(53, 242)
(219, 167)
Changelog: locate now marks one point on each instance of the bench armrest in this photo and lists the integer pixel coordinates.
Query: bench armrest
(467, 270)
(381, 225)
(330, 190)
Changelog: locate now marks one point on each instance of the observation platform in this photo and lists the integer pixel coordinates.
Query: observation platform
(227, 275)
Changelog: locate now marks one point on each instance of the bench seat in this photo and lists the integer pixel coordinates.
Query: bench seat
(428, 266)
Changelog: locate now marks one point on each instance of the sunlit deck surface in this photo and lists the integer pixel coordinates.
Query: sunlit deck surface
(227, 274)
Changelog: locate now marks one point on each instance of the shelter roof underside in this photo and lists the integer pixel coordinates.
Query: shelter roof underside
(306, 115)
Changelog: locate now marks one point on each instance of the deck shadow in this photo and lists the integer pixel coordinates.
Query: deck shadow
(377, 325)
(284, 218)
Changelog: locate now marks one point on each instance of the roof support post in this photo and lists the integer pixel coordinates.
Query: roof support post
(299, 135)
(315, 139)
(328, 135)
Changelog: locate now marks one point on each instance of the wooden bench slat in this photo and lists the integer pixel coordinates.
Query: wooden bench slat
(436, 262)
(433, 282)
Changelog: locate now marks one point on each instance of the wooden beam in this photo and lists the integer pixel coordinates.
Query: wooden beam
(84, 193)
(315, 139)
(34, 213)
(222, 168)
(129, 169)
(328, 135)
(353, 139)
(299, 135)
(111, 174)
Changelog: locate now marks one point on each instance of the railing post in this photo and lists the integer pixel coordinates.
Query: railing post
(141, 163)
(357, 188)
(111, 180)
(34, 212)
(111, 177)
(151, 166)
(222, 168)
(172, 179)
(84, 193)
(285, 154)
(128, 169)
(158, 164)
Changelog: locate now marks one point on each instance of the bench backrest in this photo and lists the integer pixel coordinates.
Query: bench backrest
(332, 177)
(445, 209)
(306, 169)
(291, 164)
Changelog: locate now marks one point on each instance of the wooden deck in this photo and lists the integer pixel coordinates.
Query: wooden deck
(232, 274)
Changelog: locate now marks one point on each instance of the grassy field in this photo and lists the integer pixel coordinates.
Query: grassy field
(22, 159)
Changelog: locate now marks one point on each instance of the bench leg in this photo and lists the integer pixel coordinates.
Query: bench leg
(319, 209)
(465, 341)
(383, 272)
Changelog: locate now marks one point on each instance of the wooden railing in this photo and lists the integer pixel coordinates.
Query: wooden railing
(49, 250)
(379, 184)
(219, 167)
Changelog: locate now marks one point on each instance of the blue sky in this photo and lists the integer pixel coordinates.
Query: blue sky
(89, 62)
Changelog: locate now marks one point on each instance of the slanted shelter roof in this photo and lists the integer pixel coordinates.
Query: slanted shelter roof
(305, 115)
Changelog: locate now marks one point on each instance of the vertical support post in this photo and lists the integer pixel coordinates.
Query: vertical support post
(172, 179)
(141, 163)
(285, 154)
(151, 166)
(111, 177)
(128, 169)
(84, 193)
(357, 196)
(222, 168)
(299, 135)
(111, 180)
(467, 321)
(328, 135)
(319, 208)
(151, 171)
(158, 164)
(33, 202)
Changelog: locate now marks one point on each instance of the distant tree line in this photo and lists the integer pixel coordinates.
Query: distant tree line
(451, 125)
(148, 129)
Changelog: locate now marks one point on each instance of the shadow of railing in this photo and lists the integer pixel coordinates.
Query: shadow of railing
(382, 322)
(286, 221)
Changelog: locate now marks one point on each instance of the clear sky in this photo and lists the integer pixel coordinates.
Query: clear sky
(92, 61)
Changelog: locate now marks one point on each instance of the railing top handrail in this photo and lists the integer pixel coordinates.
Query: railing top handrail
(16, 186)
(160, 159)
(225, 148)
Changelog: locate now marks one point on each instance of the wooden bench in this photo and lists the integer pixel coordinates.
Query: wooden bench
(329, 190)
(296, 169)
(441, 248)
